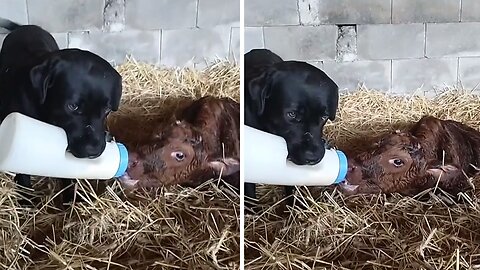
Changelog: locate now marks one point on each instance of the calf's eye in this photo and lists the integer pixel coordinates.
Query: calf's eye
(397, 162)
(179, 156)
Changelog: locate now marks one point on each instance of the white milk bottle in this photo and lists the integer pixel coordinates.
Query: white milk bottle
(265, 161)
(44, 153)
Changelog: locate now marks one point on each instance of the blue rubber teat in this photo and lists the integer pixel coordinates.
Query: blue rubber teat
(342, 171)
(122, 167)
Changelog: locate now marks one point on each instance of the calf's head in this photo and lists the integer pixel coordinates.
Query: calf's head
(176, 155)
(398, 163)
(433, 152)
(390, 165)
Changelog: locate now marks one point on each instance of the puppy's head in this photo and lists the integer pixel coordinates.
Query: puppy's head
(294, 100)
(77, 90)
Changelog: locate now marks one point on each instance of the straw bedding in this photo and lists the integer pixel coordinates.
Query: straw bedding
(175, 228)
(374, 231)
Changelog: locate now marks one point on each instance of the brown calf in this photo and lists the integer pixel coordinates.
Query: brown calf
(432, 152)
(201, 143)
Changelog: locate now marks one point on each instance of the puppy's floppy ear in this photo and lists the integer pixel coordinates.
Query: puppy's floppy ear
(42, 77)
(332, 106)
(259, 90)
(116, 94)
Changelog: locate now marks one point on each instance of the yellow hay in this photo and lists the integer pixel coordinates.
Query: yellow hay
(176, 228)
(375, 231)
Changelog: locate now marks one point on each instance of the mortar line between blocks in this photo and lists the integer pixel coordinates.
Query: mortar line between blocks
(458, 71)
(391, 74)
(425, 41)
(196, 14)
(460, 12)
(391, 11)
(124, 15)
(160, 37)
(263, 37)
(229, 53)
(298, 13)
(26, 12)
(104, 18)
(356, 41)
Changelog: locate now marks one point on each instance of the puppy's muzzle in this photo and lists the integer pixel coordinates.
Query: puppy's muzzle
(88, 145)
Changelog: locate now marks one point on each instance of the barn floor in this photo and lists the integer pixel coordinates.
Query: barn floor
(175, 228)
(375, 231)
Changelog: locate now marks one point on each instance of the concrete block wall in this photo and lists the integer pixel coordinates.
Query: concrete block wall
(172, 33)
(398, 46)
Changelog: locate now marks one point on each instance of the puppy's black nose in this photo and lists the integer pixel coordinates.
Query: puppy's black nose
(89, 151)
(307, 136)
(313, 157)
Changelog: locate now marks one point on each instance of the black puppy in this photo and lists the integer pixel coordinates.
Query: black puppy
(290, 99)
(70, 88)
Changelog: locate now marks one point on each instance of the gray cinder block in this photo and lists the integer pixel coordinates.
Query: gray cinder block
(411, 74)
(419, 11)
(160, 14)
(253, 38)
(314, 43)
(348, 75)
(66, 15)
(144, 46)
(14, 10)
(234, 53)
(193, 47)
(469, 72)
(390, 41)
(453, 39)
(344, 11)
(271, 12)
(218, 12)
(470, 11)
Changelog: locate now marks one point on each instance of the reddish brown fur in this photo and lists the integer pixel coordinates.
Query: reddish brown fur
(206, 136)
(411, 162)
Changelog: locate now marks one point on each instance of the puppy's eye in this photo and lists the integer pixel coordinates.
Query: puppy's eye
(396, 162)
(73, 107)
(179, 156)
(292, 115)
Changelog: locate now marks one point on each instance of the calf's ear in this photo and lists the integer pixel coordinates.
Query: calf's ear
(442, 171)
(450, 178)
(225, 166)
